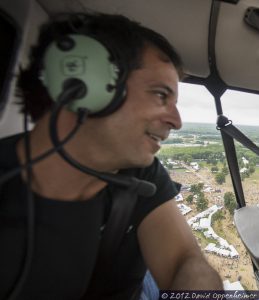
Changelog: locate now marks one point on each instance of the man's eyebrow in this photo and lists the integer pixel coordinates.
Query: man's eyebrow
(164, 86)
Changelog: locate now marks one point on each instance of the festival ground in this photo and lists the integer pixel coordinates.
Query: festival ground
(228, 268)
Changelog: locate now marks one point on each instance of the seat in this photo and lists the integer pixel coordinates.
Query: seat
(247, 223)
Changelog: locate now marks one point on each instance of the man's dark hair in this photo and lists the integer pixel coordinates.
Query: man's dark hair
(124, 37)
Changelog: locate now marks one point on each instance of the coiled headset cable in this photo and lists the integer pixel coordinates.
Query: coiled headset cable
(73, 89)
(64, 98)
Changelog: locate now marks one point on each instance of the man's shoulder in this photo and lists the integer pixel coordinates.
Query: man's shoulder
(155, 168)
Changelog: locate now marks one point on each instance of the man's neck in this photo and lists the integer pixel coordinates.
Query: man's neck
(53, 177)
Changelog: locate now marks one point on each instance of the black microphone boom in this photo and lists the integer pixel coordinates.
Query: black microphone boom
(143, 188)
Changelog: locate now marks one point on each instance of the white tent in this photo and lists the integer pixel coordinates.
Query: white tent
(179, 197)
(204, 223)
(236, 286)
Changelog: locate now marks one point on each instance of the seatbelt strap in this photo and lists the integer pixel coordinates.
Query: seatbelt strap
(123, 204)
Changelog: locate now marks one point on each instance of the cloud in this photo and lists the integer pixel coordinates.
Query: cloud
(196, 104)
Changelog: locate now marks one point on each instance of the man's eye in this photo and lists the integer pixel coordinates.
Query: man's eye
(162, 95)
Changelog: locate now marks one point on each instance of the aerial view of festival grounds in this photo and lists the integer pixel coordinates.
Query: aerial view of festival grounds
(194, 156)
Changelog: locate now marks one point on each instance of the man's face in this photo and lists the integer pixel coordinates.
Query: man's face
(132, 135)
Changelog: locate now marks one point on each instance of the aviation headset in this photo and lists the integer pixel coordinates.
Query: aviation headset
(82, 64)
(78, 58)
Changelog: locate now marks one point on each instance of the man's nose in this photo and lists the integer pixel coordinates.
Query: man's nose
(173, 117)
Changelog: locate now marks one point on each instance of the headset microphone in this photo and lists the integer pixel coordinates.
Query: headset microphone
(142, 187)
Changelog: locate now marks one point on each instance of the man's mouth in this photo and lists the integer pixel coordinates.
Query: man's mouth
(155, 137)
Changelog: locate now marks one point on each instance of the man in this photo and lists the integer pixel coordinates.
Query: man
(71, 207)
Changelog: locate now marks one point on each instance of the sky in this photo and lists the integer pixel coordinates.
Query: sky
(196, 104)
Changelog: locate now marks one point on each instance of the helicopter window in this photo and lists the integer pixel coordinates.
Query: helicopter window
(196, 104)
(10, 35)
(194, 156)
(241, 108)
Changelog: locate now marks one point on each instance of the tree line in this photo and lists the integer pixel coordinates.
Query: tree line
(198, 197)
(213, 155)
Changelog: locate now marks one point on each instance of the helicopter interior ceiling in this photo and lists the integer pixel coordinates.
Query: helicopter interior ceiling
(187, 25)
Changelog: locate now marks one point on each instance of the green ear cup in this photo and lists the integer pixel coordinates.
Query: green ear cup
(86, 59)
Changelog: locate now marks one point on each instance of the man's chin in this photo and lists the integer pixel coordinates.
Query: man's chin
(138, 161)
(145, 162)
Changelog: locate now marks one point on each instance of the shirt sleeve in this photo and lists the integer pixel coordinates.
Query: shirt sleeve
(167, 189)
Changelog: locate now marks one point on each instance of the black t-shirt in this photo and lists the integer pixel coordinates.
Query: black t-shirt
(67, 237)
